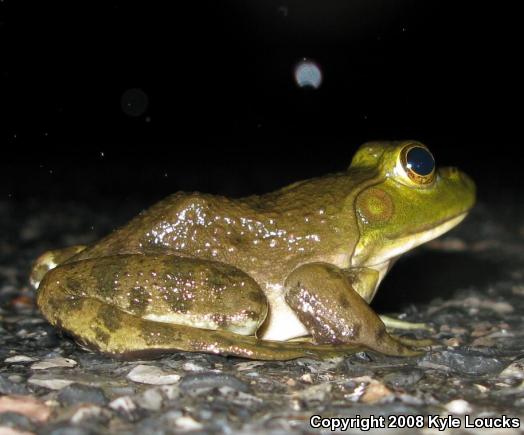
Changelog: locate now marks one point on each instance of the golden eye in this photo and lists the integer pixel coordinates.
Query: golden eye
(418, 163)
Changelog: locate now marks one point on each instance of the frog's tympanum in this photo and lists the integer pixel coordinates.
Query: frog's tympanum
(277, 276)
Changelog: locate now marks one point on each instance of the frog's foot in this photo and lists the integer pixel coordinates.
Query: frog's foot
(49, 260)
(392, 323)
(324, 300)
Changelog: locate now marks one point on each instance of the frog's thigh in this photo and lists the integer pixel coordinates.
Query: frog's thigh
(86, 299)
(333, 312)
(166, 289)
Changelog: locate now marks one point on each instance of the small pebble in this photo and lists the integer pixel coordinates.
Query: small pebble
(249, 365)
(187, 423)
(150, 399)
(65, 429)
(80, 393)
(19, 359)
(462, 361)
(29, 406)
(15, 420)
(376, 392)
(126, 407)
(192, 367)
(458, 407)
(53, 362)
(7, 386)
(6, 430)
(146, 374)
(91, 413)
(514, 370)
(403, 378)
(314, 393)
(52, 384)
(211, 380)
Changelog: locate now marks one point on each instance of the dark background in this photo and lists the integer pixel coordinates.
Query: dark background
(223, 112)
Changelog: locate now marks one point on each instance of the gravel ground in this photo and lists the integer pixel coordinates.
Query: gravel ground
(468, 285)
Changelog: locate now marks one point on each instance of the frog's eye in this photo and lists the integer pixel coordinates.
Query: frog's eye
(418, 163)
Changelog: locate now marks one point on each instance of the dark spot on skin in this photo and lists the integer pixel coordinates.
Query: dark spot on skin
(221, 319)
(111, 317)
(101, 335)
(55, 303)
(76, 303)
(138, 301)
(176, 300)
(236, 239)
(256, 297)
(73, 284)
(151, 246)
(106, 274)
(221, 340)
(253, 315)
(343, 301)
(357, 327)
(292, 297)
(155, 334)
(217, 280)
(380, 333)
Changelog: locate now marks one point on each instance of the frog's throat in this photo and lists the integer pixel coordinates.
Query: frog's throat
(394, 246)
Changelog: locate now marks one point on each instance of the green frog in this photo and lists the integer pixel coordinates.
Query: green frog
(278, 276)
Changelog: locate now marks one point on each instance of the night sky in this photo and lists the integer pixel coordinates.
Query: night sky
(116, 98)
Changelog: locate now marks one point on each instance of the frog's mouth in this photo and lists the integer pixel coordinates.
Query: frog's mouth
(395, 245)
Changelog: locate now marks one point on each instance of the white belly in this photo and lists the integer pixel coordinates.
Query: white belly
(282, 323)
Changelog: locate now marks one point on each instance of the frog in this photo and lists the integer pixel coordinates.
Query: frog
(276, 276)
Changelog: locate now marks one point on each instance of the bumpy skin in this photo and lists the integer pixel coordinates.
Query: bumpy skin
(243, 277)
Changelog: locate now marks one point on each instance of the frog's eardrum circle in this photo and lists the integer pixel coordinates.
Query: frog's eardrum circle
(375, 206)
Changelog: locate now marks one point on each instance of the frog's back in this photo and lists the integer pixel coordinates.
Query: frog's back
(254, 233)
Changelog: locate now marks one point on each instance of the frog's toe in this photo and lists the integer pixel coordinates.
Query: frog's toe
(392, 323)
(415, 342)
(49, 260)
(41, 266)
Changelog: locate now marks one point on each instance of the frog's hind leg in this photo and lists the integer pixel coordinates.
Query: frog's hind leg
(49, 260)
(140, 305)
(104, 327)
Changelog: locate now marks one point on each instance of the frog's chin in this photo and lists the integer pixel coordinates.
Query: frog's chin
(396, 246)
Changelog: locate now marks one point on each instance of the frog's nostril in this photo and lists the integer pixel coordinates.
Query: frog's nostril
(451, 172)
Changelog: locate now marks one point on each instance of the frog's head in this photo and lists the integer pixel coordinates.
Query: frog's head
(410, 201)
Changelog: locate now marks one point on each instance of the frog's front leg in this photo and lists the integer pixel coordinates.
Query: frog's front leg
(333, 311)
(365, 282)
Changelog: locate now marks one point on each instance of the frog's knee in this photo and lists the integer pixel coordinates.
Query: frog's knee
(49, 260)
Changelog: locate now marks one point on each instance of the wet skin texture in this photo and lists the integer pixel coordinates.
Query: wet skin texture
(278, 276)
